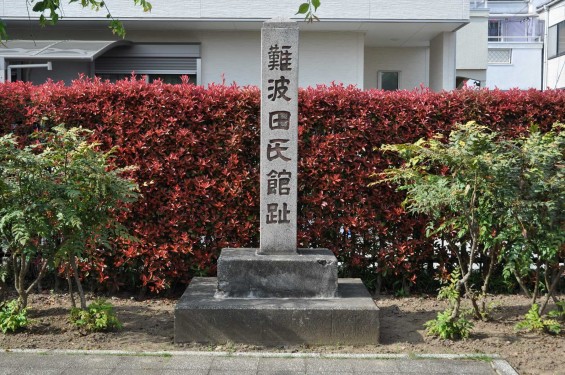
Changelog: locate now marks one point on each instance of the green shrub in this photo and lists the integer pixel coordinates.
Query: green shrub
(558, 314)
(445, 327)
(452, 322)
(60, 198)
(98, 316)
(534, 322)
(12, 317)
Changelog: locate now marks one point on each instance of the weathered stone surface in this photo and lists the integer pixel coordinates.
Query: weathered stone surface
(310, 273)
(351, 319)
(279, 136)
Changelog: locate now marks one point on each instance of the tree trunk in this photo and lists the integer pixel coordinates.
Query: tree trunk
(457, 306)
(39, 277)
(484, 288)
(20, 270)
(71, 292)
(522, 285)
(551, 289)
(77, 281)
(378, 284)
(465, 279)
(466, 269)
(536, 284)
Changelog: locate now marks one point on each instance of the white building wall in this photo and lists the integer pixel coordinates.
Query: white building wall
(261, 9)
(234, 56)
(556, 73)
(472, 43)
(556, 14)
(509, 7)
(554, 68)
(412, 63)
(324, 58)
(442, 62)
(331, 57)
(524, 71)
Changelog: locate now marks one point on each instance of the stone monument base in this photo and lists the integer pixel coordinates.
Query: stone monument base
(308, 273)
(351, 318)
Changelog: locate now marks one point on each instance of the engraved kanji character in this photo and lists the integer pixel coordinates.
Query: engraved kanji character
(280, 59)
(279, 120)
(275, 150)
(279, 88)
(276, 216)
(278, 182)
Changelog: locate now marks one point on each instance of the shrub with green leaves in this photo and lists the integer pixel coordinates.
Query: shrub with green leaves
(451, 323)
(447, 327)
(559, 313)
(98, 316)
(490, 198)
(60, 198)
(536, 213)
(460, 184)
(534, 322)
(12, 317)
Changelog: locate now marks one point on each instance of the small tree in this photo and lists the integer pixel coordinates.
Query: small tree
(460, 185)
(25, 217)
(59, 197)
(535, 224)
(504, 198)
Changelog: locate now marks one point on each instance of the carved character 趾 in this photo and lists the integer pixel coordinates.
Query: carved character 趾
(276, 216)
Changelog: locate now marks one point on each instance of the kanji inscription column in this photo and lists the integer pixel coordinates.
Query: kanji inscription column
(279, 136)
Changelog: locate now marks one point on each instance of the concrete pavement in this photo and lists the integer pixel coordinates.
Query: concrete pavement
(58, 362)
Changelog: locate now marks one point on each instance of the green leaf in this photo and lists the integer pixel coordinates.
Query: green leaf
(316, 4)
(117, 28)
(39, 6)
(3, 32)
(303, 9)
(534, 128)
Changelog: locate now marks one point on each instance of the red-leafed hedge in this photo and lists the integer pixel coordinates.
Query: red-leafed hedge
(197, 150)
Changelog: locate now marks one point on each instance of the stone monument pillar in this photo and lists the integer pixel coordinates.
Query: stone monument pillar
(277, 294)
(279, 136)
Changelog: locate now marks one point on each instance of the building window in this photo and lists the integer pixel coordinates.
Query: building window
(494, 30)
(165, 62)
(500, 56)
(556, 40)
(388, 80)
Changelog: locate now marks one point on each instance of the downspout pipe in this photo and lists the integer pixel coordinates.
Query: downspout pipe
(544, 66)
(47, 65)
(2, 70)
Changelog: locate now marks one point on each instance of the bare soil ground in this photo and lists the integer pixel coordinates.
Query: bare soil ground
(148, 326)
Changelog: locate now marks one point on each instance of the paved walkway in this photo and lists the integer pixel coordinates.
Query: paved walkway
(24, 362)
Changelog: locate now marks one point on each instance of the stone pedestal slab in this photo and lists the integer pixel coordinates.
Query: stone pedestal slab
(309, 273)
(352, 318)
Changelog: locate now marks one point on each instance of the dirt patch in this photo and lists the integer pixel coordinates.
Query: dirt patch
(148, 325)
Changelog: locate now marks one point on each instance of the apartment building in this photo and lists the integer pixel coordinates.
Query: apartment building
(515, 45)
(502, 47)
(400, 44)
(553, 14)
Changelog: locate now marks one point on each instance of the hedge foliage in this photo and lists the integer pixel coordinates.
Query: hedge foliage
(197, 150)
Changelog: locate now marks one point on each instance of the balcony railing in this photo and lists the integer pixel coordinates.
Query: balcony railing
(479, 4)
(516, 39)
